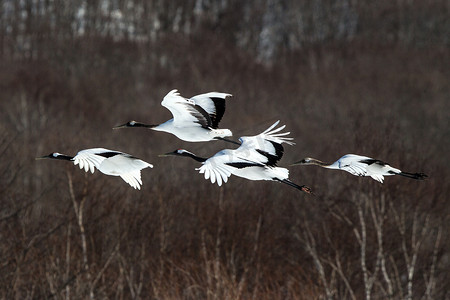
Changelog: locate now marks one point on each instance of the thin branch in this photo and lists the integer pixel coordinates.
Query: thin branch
(78, 208)
(431, 280)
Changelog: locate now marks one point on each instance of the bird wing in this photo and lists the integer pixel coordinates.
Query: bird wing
(124, 163)
(354, 164)
(265, 147)
(186, 113)
(133, 179)
(220, 166)
(214, 104)
(215, 168)
(90, 159)
(127, 167)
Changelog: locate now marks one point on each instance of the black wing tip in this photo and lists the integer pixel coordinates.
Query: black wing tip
(273, 158)
(219, 103)
(371, 161)
(242, 165)
(109, 154)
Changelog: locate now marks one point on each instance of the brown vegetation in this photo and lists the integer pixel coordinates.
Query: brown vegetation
(378, 88)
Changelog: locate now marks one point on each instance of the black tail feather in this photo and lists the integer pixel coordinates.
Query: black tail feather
(303, 188)
(418, 176)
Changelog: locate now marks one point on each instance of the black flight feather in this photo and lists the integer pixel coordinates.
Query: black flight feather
(219, 103)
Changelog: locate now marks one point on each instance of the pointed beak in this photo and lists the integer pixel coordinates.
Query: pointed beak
(42, 157)
(120, 126)
(166, 154)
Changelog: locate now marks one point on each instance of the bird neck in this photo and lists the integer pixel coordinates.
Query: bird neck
(193, 156)
(63, 157)
(320, 163)
(137, 124)
(166, 126)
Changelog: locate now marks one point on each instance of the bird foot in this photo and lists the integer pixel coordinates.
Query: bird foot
(307, 189)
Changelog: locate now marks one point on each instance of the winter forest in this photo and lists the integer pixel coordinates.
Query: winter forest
(347, 76)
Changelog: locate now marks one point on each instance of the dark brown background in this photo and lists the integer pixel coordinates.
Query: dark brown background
(364, 77)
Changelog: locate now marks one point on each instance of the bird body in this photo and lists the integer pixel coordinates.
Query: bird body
(359, 165)
(192, 133)
(255, 159)
(194, 120)
(109, 162)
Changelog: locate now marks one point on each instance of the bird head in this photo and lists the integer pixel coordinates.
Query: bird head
(54, 155)
(305, 161)
(127, 124)
(134, 124)
(185, 153)
(178, 152)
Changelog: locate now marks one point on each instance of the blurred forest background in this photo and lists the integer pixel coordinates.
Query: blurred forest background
(348, 76)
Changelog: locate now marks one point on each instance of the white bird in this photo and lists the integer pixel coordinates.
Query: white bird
(194, 120)
(361, 166)
(108, 162)
(255, 159)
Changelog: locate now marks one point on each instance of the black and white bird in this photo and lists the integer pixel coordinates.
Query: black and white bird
(361, 166)
(255, 159)
(108, 162)
(194, 120)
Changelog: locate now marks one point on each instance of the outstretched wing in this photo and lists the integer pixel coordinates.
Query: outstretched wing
(216, 169)
(127, 167)
(90, 159)
(220, 166)
(355, 164)
(265, 147)
(186, 113)
(133, 179)
(214, 104)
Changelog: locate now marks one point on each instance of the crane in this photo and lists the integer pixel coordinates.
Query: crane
(194, 120)
(255, 159)
(109, 162)
(361, 166)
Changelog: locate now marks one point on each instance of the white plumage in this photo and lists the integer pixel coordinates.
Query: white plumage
(361, 166)
(109, 162)
(255, 159)
(194, 120)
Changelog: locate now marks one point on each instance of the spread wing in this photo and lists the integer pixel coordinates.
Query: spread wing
(133, 179)
(127, 167)
(89, 158)
(354, 164)
(221, 165)
(265, 147)
(213, 104)
(186, 113)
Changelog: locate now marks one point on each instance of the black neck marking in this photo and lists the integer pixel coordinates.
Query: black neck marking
(138, 124)
(61, 157)
(227, 140)
(193, 156)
